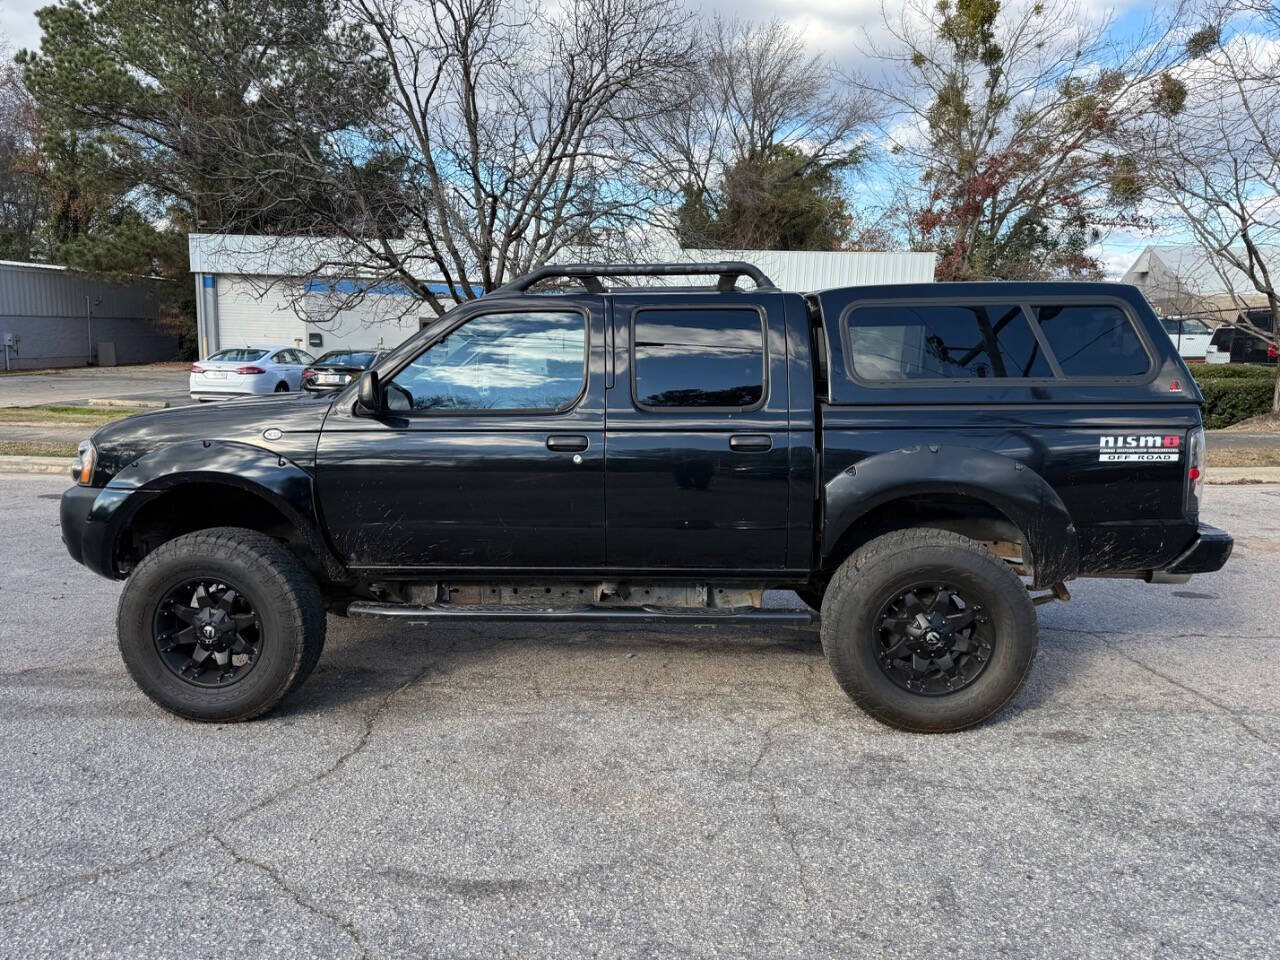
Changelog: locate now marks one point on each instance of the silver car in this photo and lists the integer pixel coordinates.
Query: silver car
(245, 371)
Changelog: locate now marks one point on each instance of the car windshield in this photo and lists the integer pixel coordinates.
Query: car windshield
(239, 356)
(347, 358)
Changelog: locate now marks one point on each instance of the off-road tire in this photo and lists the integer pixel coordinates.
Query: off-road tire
(277, 585)
(851, 640)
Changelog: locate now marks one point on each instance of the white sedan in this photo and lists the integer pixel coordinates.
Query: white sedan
(244, 371)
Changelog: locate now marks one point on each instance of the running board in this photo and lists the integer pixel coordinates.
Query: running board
(511, 614)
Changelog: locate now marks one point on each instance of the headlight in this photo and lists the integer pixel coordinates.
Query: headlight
(82, 468)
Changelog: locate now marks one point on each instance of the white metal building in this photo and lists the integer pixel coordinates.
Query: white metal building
(257, 291)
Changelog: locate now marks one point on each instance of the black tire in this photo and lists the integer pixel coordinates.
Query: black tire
(269, 578)
(282, 387)
(901, 563)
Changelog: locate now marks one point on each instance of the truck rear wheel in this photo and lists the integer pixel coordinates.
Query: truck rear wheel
(219, 625)
(926, 630)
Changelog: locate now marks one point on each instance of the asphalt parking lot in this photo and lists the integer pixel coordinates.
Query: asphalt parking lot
(153, 383)
(585, 791)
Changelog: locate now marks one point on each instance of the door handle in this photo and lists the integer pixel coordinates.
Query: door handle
(566, 442)
(750, 442)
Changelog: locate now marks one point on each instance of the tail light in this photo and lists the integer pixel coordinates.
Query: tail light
(196, 368)
(308, 374)
(1195, 471)
(250, 371)
(1271, 351)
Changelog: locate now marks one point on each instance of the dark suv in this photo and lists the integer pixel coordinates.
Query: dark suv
(921, 464)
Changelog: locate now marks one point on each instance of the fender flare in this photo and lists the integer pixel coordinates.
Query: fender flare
(275, 479)
(1005, 484)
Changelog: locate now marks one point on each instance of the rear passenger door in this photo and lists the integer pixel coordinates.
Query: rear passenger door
(697, 450)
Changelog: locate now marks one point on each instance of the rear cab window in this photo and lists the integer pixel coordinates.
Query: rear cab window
(703, 358)
(938, 342)
(1093, 340)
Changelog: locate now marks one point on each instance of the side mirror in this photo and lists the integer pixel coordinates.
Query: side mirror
(372, 399)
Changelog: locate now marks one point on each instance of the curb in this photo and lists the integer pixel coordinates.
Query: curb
(124, 402)
(47, 465)
(1229, 475)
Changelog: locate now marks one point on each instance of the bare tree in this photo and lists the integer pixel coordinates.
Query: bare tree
(758, 112)
(1210, 152)
(502, 147)
(23, 205)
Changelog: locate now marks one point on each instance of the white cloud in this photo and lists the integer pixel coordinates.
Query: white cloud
(18, 26)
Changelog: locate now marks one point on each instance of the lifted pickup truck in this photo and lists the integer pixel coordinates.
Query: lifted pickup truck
(916, 462)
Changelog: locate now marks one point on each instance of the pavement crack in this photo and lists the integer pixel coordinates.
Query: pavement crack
(369, 720)
(767, 742)
(294, 894)
(1235, 715)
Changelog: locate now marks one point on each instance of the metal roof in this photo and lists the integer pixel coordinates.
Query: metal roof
(795, 270)
(34, 290)
(1194, 270)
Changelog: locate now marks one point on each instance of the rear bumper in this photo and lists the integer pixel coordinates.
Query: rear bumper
(1208, 552)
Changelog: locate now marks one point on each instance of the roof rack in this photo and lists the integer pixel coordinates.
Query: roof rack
(727, 272)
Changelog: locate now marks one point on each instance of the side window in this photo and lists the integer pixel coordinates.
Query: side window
(1195, 328)
(1093, 341)
(301, 356)
(498, 361)
(281, 357)
(939, 341)
(698, 358)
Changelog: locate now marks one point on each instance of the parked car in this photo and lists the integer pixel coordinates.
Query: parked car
(913, 460)
(1232, 345)
(1190, 336)
(244, 371)
(334, 370)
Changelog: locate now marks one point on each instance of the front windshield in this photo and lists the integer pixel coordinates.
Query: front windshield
(239, 356)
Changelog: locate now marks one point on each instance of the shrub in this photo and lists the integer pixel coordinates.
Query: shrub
(1229, 400)
(1232, 371)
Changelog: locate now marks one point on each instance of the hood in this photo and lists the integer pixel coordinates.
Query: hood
(298, 417)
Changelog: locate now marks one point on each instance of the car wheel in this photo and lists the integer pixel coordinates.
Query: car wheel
(928, 631)
(282, 387)
(219, 625)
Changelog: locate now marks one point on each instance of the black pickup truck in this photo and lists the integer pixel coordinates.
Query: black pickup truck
(921, 464)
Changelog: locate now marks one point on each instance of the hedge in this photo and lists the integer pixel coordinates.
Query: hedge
(1234, 392)
(1232, 371)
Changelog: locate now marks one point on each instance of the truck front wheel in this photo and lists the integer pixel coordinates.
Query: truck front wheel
(219, 625)
(928, 631)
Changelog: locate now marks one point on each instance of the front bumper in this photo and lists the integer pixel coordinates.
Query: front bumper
(73, 516)
(1208, 552)
(91, 520)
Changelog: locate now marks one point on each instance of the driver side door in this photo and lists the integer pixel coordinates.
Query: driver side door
(490, 456)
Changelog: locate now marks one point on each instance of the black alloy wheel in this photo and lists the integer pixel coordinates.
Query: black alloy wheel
(933, 641)
(208, 633)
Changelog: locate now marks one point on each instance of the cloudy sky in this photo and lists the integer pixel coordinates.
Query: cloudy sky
(833, 27)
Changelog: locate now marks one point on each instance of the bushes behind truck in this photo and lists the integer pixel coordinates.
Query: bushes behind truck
(1234, 392)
